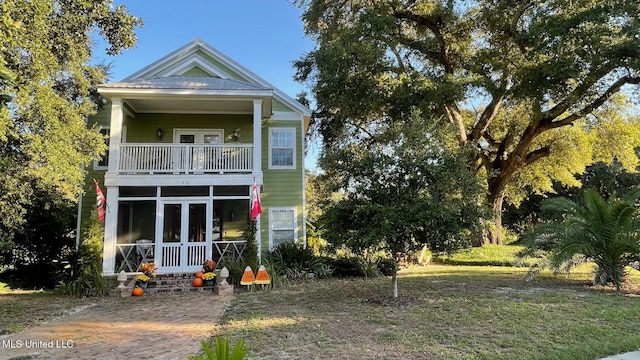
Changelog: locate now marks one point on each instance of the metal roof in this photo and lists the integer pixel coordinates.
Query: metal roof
(185, 83)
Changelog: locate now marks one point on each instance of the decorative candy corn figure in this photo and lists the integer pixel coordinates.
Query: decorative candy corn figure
(247, 277)
(262, 277)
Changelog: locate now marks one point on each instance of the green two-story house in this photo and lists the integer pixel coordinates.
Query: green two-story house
(188, 136)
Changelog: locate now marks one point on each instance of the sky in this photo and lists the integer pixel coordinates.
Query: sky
(265, 36)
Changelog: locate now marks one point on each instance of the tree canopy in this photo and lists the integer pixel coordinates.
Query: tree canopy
(539, 88)
(47, 81)
(401, 194)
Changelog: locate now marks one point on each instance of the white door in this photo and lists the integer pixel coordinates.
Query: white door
(198, 159)
(184, 237)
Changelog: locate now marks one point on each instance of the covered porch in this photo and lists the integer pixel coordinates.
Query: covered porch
(177, 227)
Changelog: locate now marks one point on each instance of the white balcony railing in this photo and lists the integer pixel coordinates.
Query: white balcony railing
(185, 158)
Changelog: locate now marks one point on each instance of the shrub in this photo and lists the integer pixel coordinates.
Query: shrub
(386, 266)
(293, 261)
(353, 266)
(84, 272)
(221, 350)
(605, 231)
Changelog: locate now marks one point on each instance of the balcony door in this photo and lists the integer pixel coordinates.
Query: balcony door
(184, 244)
(198, 158)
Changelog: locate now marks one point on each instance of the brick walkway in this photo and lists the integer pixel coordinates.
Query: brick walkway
(163, 326)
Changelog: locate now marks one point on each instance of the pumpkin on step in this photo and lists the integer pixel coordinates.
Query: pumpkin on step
(137, 291)
(199, 274)
(197, 282)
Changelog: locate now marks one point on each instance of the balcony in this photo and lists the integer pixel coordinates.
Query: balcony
(185, 158)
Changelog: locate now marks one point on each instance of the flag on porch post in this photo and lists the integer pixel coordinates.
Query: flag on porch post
(256, 209)
(100, 201)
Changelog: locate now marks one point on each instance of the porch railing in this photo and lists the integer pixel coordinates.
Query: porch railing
(185, 158)
(129, 257)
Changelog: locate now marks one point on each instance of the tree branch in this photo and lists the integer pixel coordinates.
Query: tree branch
(434, 27)
(536, 155)
(453, 113)
(575, 96)
(487, 116)
(513, 27)
(502, 149)
(614, 88)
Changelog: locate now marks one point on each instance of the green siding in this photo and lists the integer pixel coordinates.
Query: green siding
(142, 128)
(280, 106)
(220, 66)
(102, 118)
(282, 187)
(195, 71)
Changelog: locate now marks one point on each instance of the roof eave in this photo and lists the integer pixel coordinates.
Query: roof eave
(111, 92)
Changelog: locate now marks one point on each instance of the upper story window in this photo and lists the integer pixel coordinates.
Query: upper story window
(105, 131)
(282, 148)
(103, 163)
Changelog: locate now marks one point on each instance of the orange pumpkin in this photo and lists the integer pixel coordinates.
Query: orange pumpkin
(137, 291)
(197, 282)
(199, 274)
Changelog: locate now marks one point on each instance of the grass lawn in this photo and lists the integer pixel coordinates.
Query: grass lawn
(493, 255)
(22, 308)
(444, 312)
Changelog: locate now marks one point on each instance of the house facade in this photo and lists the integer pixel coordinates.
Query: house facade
(188, 136)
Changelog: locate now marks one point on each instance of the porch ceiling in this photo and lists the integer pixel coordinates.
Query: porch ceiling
(201, 105)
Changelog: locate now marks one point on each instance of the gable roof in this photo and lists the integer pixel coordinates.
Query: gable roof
(225, 74)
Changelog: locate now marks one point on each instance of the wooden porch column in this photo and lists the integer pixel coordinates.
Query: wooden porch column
(110, 231)
(257, 139)
(257, 162)
(115, 135)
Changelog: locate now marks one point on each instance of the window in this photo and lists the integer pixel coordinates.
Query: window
(103, 163)
(283, 226)
(282, 148)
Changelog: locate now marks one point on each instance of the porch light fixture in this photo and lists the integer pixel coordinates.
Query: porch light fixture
(236, 134)
(159, 133)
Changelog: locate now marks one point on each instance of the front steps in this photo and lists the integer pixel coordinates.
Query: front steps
(168, 283)
(172, 283)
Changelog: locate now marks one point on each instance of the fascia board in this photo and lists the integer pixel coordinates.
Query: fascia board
(155, 93)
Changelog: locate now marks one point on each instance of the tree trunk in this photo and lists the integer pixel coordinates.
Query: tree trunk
(496, 234)
(394, 279)
(394, 284)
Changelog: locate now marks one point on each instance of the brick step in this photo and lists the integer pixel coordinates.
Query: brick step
(170, 283)
(165, 290)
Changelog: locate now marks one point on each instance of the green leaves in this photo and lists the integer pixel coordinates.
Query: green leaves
(47, 91)
(522, 82)
(401, 190)
(606, 231)
(221, 350)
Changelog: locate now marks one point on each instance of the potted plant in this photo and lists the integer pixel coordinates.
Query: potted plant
(208, 266)
(148, 268)
(142, 280)
(209, 278)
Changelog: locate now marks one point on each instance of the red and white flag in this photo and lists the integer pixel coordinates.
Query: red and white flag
(256, 209)
(100, 201)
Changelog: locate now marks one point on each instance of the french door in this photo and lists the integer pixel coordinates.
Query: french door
(184, 235)
(197, 158)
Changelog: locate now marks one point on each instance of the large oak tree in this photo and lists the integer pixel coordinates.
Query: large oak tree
(47, 81)
(534, 86)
